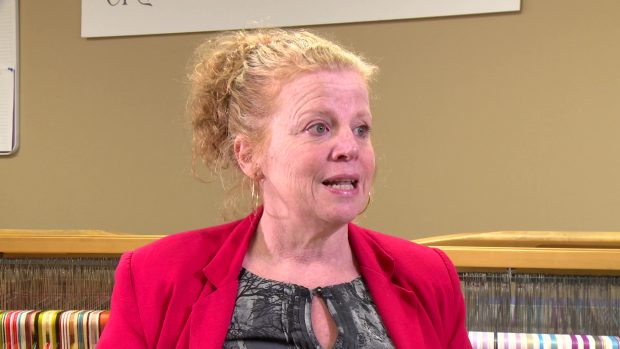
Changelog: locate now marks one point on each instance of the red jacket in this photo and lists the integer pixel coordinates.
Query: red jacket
(180, 291)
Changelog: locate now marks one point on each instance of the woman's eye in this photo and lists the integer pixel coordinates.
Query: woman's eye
(362, 131)
(318, 128)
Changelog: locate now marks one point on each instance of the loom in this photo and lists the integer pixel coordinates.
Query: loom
(522, 289)
(538, 289)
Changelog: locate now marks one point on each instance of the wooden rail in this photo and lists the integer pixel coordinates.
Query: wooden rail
(539, 250)
(549, 251)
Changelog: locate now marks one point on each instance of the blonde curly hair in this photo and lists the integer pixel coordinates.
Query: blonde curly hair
(235, 81)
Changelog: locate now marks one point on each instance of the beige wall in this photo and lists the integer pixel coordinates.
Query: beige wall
(489, 122)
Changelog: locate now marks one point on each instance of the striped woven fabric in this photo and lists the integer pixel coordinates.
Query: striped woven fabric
(501, 340)
(79, 329)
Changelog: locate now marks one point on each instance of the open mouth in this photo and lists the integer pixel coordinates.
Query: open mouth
(341, 184)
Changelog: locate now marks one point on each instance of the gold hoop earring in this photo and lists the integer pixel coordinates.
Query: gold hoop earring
(255, 196)
(365, 207)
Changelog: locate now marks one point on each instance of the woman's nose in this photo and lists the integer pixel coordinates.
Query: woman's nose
(346, 146)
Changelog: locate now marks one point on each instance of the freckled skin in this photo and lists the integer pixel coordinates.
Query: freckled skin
(319, 130)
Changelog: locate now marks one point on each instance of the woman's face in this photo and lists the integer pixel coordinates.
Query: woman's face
(319, 161)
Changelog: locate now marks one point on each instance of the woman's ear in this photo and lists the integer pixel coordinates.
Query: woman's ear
(244, 152)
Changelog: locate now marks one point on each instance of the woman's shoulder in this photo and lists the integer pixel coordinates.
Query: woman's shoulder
(401, 249)
(411, 260)
(183, 252)
(192, 239)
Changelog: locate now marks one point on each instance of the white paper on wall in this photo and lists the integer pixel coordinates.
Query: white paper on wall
(8, 76)
(7, 109)
(141, 17)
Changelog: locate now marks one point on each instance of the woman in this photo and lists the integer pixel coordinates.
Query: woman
(290, 111)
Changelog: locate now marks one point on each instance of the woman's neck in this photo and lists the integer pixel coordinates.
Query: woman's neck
(304, 253)
(280, 241)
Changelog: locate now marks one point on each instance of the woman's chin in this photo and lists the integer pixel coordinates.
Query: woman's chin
(340, 215)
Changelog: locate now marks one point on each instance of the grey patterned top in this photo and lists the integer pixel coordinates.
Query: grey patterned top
(273, 314)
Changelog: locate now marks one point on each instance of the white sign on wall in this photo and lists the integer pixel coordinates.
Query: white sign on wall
(142, 17)
(9, 32)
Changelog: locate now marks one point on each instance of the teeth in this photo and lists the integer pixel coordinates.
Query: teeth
(342, 184)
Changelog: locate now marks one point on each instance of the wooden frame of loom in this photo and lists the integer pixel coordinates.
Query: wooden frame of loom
(569, 252)
(70, 243)
(540, 251)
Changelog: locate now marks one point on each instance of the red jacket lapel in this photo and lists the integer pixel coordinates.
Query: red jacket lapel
(398, 307)
(211, 314)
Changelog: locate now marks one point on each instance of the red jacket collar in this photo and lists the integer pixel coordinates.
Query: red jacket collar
(211, 314)
(226, 264)
(368, 253)
(377, 267)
